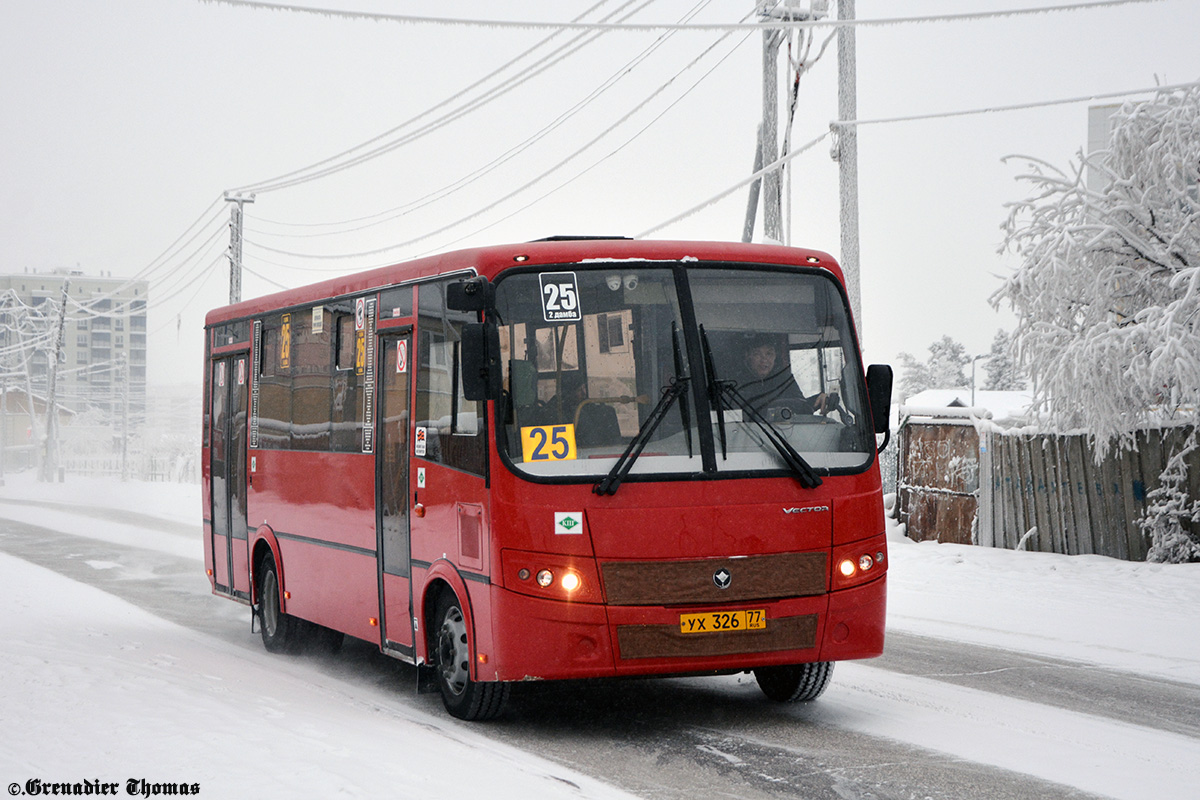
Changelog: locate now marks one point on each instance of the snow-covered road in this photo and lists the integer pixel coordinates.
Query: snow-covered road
(98, 687)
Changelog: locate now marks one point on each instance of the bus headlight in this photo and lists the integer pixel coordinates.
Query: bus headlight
(552, 576)
(859, 562)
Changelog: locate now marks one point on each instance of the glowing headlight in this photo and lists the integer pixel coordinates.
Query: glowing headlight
(847, 568)
(570, 581)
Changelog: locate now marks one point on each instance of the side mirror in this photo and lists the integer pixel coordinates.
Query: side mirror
(480, 353)
(879, 394)
(476, 294)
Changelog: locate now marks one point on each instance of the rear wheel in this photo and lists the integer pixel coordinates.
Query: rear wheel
(463, 697)
(794, 682)
(280, 633)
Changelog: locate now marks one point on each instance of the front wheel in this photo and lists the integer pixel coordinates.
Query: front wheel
(463, 697)
(794, 682)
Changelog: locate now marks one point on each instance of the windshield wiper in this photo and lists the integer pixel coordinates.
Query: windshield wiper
(714, 390)
(670, 393)
(719, 390)
(807, 476)
(685, 415)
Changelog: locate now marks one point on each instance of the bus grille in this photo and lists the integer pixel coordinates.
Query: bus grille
(662, 583)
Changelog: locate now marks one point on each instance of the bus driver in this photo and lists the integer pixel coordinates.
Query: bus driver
(764, 383)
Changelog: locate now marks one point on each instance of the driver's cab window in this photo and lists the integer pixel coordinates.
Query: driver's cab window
(776, 344)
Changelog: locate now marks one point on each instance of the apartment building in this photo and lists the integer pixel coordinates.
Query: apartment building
(104, 339)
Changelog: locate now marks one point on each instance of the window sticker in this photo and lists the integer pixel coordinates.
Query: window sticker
(560, 297)
(360, 314)
(360, 352)
(285, 342)
(368, 383)
(420, 441)
(318, 320)
(568, 522)
(402, 356)
(220, 373)
(548, 443)
(241, 372)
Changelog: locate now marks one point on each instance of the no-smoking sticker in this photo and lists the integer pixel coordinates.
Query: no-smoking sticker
(402, 356)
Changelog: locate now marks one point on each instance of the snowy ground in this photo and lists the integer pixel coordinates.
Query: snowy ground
(94, 687)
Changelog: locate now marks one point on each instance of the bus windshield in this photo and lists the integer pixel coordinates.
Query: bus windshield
(594, 355)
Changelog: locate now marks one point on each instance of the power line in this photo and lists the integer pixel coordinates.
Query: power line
(614, 151)
(941, 115)
(451, 188)
(415, 19)
(482, 97)
(545, 173)
(1015, 107)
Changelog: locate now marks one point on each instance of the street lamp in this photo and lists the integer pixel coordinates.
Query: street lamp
(973, 360)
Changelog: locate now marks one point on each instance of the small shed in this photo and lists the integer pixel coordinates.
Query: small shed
(938, 449)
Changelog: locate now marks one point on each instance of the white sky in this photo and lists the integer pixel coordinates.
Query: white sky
(124, 120)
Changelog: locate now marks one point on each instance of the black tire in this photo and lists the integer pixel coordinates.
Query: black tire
(794, 682)
(451, 651)
(281, 633)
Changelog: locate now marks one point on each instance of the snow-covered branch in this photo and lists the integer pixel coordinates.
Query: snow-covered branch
(1108, 288)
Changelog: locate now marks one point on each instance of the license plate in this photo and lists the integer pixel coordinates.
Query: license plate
(724, 621)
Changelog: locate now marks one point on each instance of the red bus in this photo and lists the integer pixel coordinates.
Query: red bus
(572, 458)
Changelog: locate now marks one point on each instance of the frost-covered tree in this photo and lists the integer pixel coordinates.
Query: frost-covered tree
(1004, 372)
(943, 369)
(1108, 288)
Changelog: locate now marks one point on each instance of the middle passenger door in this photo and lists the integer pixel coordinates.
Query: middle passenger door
(392, 501)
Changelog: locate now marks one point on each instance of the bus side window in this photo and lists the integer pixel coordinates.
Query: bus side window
(310, 357)
(275, 390)
(346, 413)
(454, 426)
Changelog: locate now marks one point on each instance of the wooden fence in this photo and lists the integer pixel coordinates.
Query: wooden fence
(1041, 492)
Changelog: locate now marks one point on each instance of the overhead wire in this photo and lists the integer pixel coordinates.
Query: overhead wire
(480, 98)
(167, 259)
(834, 126)
(316, 171)
(769, 24)
(543, 174)
(619, 147)
(87, 309)
(449, 189)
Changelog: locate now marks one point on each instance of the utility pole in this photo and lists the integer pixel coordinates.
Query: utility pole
(846, 154)
(123, 363)
(235, 245)
(3, 422)
(772, 194)
(50, 454)
(768, 132)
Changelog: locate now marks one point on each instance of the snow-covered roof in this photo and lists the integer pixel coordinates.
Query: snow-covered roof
(1010, 406)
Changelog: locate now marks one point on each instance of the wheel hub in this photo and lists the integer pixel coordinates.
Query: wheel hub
(452, 651)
